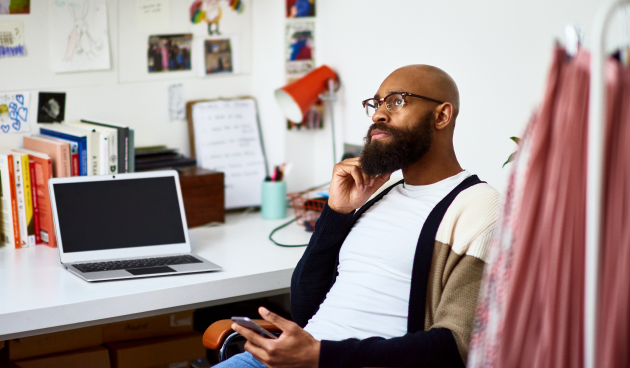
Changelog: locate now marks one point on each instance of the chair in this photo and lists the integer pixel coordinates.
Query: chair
(220, 334)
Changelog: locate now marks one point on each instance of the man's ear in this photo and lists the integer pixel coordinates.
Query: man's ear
(444, 116)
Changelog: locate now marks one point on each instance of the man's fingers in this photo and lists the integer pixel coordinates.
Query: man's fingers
(280, 322)
(257, 352)
(357, 175)
(251, 336)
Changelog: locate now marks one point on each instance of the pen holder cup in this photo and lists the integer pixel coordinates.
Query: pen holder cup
(274, 200)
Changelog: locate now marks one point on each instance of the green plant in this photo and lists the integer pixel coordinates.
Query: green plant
(516, 140)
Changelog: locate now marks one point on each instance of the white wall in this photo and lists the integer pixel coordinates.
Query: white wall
(498, 52)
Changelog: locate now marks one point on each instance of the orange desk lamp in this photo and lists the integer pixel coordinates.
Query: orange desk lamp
(296, 98)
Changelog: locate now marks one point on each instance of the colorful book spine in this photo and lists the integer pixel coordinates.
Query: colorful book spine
(43, 170)
(36, 219)
(10, 223)
(81, 140)
(21, 200)
(28, 200)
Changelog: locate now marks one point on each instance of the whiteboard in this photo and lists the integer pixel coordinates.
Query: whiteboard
(227, 139)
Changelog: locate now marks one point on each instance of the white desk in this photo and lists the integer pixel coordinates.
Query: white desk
(38, 296)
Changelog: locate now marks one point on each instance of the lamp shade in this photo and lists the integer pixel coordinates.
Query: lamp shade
(296, 98)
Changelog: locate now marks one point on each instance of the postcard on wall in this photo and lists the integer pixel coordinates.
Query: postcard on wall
(169, 53)
(176, 105)
(300, 48)
(15, 6)
(12, 39)
(51, 107)
(14, 112)
(152, 15)
(300, 8)
(79, 39)
(218, 55)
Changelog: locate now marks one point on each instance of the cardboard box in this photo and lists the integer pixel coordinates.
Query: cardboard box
(204, 195)
(160, 352)
(96, 357)
(150, 327)
(56, 342)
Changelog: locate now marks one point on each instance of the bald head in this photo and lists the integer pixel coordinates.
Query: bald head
(431, 82)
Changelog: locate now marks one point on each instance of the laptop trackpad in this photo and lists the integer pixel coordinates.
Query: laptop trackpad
(150, 270)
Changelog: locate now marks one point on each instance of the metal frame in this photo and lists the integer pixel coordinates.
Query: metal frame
(595, 177)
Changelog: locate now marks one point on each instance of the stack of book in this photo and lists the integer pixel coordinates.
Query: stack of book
(69, 149)
(160, 158)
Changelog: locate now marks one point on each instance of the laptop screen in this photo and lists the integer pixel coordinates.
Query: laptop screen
(115, 214)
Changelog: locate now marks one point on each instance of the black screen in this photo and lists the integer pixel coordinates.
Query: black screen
(116, 214)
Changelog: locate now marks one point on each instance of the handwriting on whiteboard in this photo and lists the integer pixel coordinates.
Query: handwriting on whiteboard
(227, 139)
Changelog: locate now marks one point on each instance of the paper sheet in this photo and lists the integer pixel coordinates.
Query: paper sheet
(152, 15)
(227, 139)
(78, 35)
(14, 111)
(176, 106)
(12, 39)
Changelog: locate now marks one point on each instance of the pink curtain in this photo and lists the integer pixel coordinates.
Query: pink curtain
(531, 307)
(613, 338)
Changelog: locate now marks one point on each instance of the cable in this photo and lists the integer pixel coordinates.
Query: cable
(290, 222)
(280, 227)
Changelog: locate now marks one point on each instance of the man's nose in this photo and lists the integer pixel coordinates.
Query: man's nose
(381, 115)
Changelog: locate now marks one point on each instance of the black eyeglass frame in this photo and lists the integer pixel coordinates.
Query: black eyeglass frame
(404, 95)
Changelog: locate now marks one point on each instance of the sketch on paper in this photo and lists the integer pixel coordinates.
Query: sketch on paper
(79, 35)
(12, 39)
(14, 113)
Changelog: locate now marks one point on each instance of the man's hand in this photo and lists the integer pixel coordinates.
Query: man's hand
(350, 187)
(294, 348)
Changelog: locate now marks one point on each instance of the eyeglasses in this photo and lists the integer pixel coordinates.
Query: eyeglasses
(393, 102)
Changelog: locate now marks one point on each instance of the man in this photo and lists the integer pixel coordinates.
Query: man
(392, 282)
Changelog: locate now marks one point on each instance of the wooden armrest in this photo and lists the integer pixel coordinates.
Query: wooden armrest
(218, 331)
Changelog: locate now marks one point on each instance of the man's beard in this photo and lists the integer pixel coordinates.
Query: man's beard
(404, 147)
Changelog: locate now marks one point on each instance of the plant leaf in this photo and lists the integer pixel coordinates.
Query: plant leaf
(516, 140)
(510, 159)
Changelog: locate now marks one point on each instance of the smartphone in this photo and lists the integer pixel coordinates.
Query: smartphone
(248, 323)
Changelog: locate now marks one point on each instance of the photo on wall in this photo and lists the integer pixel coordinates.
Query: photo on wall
(300, 48)
(51, 107)
(15, 7)
(300, 8)
(218, 56)
(169, 53)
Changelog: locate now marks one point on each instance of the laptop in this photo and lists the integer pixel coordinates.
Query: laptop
(123, 226)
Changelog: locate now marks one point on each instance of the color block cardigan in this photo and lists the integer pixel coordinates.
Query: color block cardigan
(446, 275)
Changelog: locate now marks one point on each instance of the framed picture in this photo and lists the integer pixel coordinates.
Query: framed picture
(169, 53)
(217, 55)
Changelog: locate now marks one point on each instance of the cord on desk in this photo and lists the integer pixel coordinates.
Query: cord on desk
(280, 227)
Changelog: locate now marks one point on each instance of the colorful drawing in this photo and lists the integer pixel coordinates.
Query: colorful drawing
(15, 6)
(300, 8)
(79, 35)
(12, 39)
(210, 11)
(300, 55)
(14, 113)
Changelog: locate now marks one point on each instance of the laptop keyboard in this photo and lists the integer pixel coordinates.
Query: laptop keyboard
(135, 263)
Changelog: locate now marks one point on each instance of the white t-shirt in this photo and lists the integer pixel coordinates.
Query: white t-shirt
(371, 294)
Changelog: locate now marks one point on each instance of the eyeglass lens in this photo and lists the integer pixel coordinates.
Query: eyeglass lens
(393, 103)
